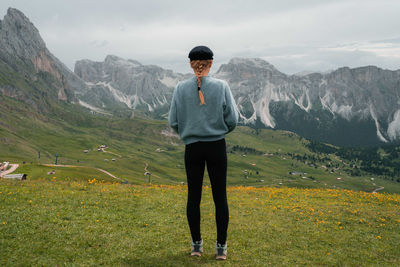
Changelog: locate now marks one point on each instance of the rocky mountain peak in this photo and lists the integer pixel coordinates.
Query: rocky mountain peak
(247, 68)
(345, 106)
(23, 50)
(18, 36)
(114, 60)
(252, 62)
(126, 83)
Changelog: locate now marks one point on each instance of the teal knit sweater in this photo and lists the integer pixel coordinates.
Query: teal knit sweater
(209, 122)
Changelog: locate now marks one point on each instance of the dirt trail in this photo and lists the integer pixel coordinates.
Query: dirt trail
(13, 168)
(146, 171)
(111, 152)
(376, 190)
(74, 166)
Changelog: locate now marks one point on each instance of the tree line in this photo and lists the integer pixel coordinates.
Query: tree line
(383, 161)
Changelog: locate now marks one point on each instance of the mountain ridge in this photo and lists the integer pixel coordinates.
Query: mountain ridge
(23, 51)
(364, 93)
(347, 106)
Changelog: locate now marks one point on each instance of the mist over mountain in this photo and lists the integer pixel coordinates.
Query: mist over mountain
(359, 106)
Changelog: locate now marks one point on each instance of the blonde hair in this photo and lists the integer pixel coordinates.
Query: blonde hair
(199, 67)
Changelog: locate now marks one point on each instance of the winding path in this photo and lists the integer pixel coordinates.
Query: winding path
(111, 153)
(146, 171)
(74, 166)
(379, 188)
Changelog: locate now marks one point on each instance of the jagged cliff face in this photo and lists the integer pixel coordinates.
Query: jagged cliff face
(252, 82)
(346, 106)
(23, 51)
(137, 86)
(359, 106)
(19, 36)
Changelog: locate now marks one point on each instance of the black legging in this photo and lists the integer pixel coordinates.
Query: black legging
(196, 156)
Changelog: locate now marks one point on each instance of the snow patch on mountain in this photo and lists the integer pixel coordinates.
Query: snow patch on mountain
(265, 116)
(326, 102)
(252, 118)
(270, 94)
(394, 127)
(300, 101)
(169, 81)
(278, 95)
(130, 100)
(345, 111)
(378, 132)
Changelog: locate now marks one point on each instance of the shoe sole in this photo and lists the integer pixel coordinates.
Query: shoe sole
(198, 254)
(220, 257)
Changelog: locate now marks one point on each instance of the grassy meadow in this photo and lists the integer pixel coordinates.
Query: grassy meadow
(256, 157)
(288, 205)
(91, 222)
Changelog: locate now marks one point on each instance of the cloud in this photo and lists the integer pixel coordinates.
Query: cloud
(293, 35)
(321, 59)
(389, 49)
(394, 127)
(98, 43)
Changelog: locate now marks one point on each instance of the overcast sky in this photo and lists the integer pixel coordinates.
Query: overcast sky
(295, 36)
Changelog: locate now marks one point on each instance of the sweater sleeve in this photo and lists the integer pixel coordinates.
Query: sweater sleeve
(172, 116)
(231, 114)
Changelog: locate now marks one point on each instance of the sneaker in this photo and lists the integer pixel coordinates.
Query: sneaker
(197, 248)
(221, 251)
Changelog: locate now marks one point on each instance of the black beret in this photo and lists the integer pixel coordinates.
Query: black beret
(200, 53)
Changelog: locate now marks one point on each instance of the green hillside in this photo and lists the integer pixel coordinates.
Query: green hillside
(82, 223)
(256, 157)
(288, 197)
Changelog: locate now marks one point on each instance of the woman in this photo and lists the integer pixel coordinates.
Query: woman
(202, 112)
